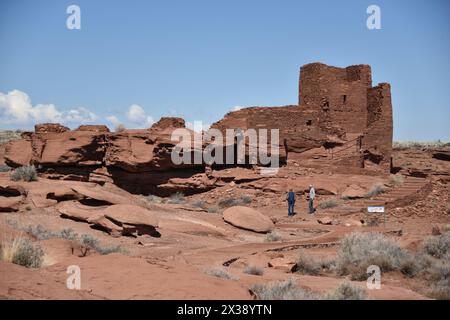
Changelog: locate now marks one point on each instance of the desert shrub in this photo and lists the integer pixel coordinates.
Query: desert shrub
(5, 168)
(9, 135)
(246, 199)
(199, 204)
(89, 241)
(213, 209)
(360, 250)
(375, 191)
(104, 250)
(22, 252)
(397, 180)
(307, 265)
(231, 202)
(346, 291)
(220, 273)
(154, 199)
(272, 236)
(40, 233)
(283, 290)
(68, 234)
(330, 203)
(25, 173)
(257, 271)
(419, 145)
(437, 246)
(439, 275)
(176, 198)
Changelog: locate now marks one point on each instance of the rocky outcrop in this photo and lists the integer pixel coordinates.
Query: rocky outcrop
(340, 121)
(248, 218)
(121, 219)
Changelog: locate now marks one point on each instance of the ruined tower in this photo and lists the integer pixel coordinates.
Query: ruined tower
(341, 121)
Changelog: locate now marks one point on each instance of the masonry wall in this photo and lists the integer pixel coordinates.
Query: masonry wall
(337, 95)
(377, 138)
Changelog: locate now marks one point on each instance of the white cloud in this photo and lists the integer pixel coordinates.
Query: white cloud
(197, 126)
(114, 120)
(16, 108)
(236, 108)
(137, 115)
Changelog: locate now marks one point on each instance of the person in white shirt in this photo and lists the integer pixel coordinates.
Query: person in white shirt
(312, 194)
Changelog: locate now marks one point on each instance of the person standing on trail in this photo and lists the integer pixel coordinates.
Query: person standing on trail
(312, 194)
(291, 202)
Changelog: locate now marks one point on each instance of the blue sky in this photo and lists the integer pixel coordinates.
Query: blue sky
(140, 60)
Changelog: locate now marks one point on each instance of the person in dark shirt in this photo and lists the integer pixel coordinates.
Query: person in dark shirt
(291, 202)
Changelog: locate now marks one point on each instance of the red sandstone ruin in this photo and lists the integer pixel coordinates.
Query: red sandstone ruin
(341, 122)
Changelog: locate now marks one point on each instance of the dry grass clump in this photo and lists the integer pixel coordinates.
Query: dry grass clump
(439, 275)
(254, 270)
(21, 251)
(9, 135)
(346, 291)
(375, 191)
(437, 246)
(220, 273)
(231, 202)
(330, 203)
(272, 236)
(176, 198)
(396, 180)
(419, 145)
(154, 199)
(308, 265)
(5, 168)
(282, 290)
(25, 173)
(360, 250)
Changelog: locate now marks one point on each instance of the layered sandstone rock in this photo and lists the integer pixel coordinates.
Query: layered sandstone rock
(248, 218)
(340, 123)
(121, 219)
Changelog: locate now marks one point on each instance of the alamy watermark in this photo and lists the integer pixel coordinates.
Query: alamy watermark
(374, 280)
(73, 21)
(237, 147)
(73, 282)
(373, 22)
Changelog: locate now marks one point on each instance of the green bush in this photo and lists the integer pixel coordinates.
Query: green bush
(26, 173)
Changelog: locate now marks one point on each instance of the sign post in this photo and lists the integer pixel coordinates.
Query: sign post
(378, 209)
